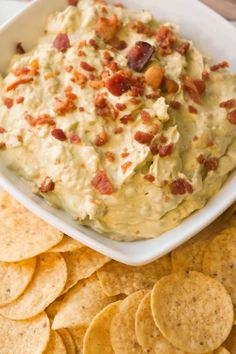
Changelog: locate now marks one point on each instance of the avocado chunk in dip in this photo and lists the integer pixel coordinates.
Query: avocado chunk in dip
(116, 119)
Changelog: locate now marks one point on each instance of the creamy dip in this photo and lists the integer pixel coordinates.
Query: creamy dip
(117, 120)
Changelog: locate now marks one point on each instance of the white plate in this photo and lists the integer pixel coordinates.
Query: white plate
(199, 24)
(9, 9)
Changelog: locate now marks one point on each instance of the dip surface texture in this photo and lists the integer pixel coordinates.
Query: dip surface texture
(117, 120)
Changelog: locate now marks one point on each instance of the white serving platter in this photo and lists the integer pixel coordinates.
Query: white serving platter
(213, 35)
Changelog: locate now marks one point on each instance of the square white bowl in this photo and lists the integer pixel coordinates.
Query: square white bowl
(211, 34)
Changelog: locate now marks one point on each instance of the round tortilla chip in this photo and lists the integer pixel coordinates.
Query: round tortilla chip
(82, 264)
(193, 311)
(78, 334)
(117, 278)
(68, 341)
(97, 338)
(24, 337)
(230, 343)
(14, 278)
(48, 282)
(81, 304)
(54, 307)
(67, 244)
(220, 260)
(23, 235)
(122, 331)
(55, 344)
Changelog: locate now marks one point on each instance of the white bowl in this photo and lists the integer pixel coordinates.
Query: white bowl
(214, 36)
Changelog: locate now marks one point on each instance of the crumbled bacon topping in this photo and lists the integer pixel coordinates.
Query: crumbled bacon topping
(63, 107)
(126, 166)
(61, 42)
(175, 105)
(138, 85)
(228, 104)
(124, 155)
(180, 186)
(87, 67)
(165, 150)
(113, 66)
(118, 84)
(100, 101)
(121, 45)
(19, 48)
(231, 116)
(149, 178)
(127, 118)
(21, 81)
(73, 2)
(170, 86)
(58, 134)
(93, 43)
(143, 138)
(20, 71)
(195, 88)
(74, 138)
(166, 40)
(2, 130)
(146, 117)
(8, 102)
(140, 55)
(211, 164)
(192, 110)
(118, 130)
(101, 139)
(183, 48)
(20, 100)
(2, 145)
(107, 28)
(205, 75)
(120, 106)
(222, 65)
(110, 156)
(44, 119)
(142, 28)
(47, 185)
(102, 183)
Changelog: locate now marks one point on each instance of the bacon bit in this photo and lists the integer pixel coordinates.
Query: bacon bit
(102, 183)
(153, 96)
(20, 100)
(138, 85)
(142, 28)
(22, 81)
(166, 40)
(175, 105)
(48, 75)
(19, 48)
(124, 155)
(79, 78)
(113, 66)
(30, 120)
(74, 138)
(97, 84)
(119, 130)
(210, 143)
(231, 116)
(195, 138)
(146, 117)
(100, 101)
(127, 118)
(183, 48)
(121, 45)
(81, 109)
(121, 107)
(81, 53)
(101, 139)
(180, 186)
(200, 159)
(20, 71)
(58, 134)
(34, 67)
(155, 129)
(166, 150)
(140, 55)
(110, 156)
(211, 164)
(73, 2)
(82, 44)
(143, 138)
(107, 56)
(69, 68)
(126, 166)
(71, 96)
(2, 130)
(222, 65)
(86, 66)
(61, 42)
(47, 186)
(194, 88)
(63, 107)
(192, 110)
(149, 178)
(44, 119)
(163, 139)
(170, 86)
(8, 102)
(93, 43)
(2, 145)
(205, 75)
(104, 10)
(107, 28)
(228, 104)
(118, 84)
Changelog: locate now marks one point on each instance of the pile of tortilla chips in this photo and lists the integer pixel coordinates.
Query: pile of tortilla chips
(58, 296)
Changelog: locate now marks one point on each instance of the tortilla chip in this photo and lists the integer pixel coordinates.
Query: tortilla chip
(81, 304)
(53, 308)
(23, 235)
(24, 337)
(68, 341)
(193, 311)
(67, 244)
(14, 278)
(220, 260)
(230, 343)
(82, 264)
(55, 344)
(122, 332)
(48, 282)
(97, 338)
(117, 278)
(78, 337)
